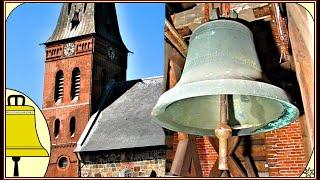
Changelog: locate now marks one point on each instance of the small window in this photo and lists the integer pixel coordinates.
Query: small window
(125, 173)
(58, 94)
(75, 86)
(56, 128)
(63, 162)
(72, 126)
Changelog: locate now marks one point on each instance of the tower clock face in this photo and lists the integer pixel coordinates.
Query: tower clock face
(111, 53)
(69, 49)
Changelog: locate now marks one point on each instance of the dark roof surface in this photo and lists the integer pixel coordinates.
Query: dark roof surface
(126, 122)
(88, 18)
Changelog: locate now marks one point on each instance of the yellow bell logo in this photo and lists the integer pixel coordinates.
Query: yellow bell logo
(21, 135)
(22, 139)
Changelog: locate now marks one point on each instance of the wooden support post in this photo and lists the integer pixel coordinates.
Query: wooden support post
(301, 33)
(185, 155)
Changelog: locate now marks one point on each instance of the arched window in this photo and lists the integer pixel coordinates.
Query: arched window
(56, 128)
(75, 86)
(153, 174)
(58, 92)
(72, 128)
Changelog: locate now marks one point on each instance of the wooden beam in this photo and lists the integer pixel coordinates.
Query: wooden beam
(181, 155)
(249, 167)
(233, 144)
(234, 168)
(186, 156)
(174, 37)
(301, 36)
(195, 158)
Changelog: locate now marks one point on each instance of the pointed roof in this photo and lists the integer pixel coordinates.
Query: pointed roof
(79, 19)
(126, 122)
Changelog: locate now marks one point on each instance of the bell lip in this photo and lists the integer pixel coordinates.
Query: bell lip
(26, 152)
(226, 20)
(172, 95)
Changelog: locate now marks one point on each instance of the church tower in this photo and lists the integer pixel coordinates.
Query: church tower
(83, 53)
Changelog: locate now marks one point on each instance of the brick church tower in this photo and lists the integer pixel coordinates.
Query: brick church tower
(83, 53)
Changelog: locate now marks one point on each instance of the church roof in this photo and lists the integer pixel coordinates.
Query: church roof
(126, 122)
(79, 19)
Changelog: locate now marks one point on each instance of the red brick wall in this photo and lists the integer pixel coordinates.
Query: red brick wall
(285, 151)
(64, 143)
(63, 151)
(90, 58)
(207, 155)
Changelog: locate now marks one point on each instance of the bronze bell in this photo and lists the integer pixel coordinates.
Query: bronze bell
(222, 60)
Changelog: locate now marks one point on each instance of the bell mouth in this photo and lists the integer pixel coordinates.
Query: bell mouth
(253, 107)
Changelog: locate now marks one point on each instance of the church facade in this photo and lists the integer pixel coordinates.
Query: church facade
(84, 52)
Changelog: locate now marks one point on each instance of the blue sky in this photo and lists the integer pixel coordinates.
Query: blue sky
(31, 24)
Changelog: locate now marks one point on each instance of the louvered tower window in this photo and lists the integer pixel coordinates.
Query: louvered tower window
(59, 87)
(75, 89)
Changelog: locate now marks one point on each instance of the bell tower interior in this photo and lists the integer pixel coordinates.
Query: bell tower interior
(84, 52)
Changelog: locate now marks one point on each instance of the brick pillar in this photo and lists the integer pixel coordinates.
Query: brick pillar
(285, 151)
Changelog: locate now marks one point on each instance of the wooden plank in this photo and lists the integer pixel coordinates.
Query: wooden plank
(174, 73)
(233, 143)
(174, 37)
(249, 167)
(184, 31)
(166, 77)
(256, 151)
(179, 158)
(234, 168)
(195, 157)
(187, 161)
(301, 37)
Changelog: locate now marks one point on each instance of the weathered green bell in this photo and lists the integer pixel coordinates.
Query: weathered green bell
(222, 60)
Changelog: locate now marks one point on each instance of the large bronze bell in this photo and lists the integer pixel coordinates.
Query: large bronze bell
(222, 60)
